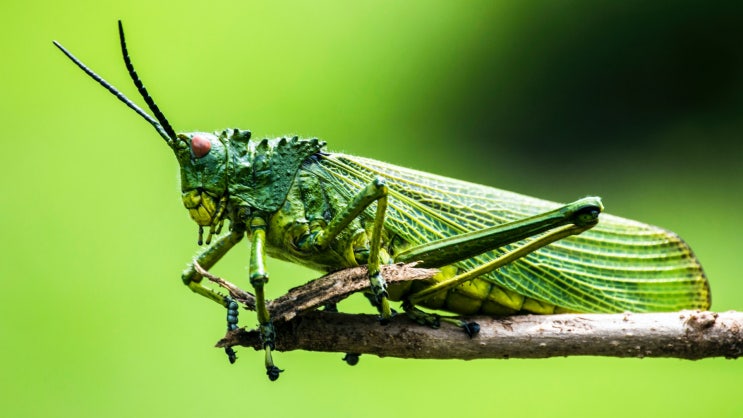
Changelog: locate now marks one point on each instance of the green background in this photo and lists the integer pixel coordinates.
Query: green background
(640, 104)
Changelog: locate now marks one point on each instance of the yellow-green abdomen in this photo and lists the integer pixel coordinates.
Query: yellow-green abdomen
(477, 296)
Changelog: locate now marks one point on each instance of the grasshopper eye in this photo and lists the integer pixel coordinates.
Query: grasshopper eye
(200, 146)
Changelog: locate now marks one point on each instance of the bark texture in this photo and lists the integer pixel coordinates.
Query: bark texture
(300, 326)
(686, 334)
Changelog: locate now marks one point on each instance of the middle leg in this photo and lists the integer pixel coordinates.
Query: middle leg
(376, 191)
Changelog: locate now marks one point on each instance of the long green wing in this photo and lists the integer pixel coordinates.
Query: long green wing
(619, 265)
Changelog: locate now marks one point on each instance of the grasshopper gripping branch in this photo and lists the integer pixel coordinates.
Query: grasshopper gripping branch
(498, 252)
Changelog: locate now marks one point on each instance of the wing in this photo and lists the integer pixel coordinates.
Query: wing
(619, 265)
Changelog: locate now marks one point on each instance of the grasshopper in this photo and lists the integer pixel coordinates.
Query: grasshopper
(498, 252)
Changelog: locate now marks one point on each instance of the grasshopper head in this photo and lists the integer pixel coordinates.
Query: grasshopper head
(202, 156)
(263, 171)
(203, 160)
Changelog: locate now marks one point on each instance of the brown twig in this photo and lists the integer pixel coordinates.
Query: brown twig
(330, 288)
(685, 334)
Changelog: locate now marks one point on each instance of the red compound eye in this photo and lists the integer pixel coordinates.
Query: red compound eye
(200, 146)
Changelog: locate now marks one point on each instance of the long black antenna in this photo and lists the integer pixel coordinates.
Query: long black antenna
(167, 134)
(140, 87)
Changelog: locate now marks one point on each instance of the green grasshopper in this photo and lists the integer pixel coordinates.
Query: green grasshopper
(498, 252)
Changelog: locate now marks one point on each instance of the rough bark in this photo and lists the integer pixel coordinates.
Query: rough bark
(686, 334)
(300, 326)
(331, 288)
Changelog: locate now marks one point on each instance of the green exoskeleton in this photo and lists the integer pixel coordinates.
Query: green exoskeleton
(498, 252)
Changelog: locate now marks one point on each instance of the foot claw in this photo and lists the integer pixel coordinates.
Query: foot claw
(471, 328)
(433, 321)
(386, 321)
(231, 355)
(273, 373)
(330, 307)
(351, 358)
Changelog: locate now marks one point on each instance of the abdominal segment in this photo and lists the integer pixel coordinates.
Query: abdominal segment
(477, 296)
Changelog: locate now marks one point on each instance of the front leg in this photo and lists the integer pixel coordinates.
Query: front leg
(206, 259)
(258, 279)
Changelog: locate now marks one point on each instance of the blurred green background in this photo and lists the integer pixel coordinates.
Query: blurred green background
(638, 103)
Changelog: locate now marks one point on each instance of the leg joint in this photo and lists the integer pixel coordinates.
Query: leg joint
(258, 280)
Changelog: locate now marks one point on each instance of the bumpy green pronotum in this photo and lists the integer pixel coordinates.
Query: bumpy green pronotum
(498, 252)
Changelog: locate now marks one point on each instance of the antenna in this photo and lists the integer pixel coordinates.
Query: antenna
(166, 132)
(140, 87)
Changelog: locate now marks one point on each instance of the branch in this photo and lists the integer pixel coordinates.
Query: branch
(687, 334)
(299, 326)
(329, 289)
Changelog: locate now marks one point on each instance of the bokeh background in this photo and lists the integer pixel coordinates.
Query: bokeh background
(638, 102)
